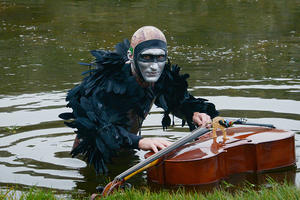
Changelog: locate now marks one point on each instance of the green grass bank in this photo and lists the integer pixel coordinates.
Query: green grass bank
(267, 192)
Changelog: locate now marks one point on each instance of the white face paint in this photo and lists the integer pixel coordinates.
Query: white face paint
(151, 64)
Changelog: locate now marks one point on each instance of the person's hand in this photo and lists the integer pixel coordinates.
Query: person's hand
(153, 144)
(202, 120)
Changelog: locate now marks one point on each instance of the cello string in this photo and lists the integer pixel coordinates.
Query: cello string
(196, 133)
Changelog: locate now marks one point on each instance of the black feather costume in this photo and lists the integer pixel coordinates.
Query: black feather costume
(109, 105)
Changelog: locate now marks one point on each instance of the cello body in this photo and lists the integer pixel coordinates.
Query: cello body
(208, 160)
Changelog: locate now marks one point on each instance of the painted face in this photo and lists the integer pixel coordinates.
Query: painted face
(151, 63)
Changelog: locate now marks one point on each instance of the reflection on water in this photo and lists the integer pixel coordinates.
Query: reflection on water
(242, 56)
(38, 153)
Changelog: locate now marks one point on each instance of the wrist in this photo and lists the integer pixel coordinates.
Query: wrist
(135, 140)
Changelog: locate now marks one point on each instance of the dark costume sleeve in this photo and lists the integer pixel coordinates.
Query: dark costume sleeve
(174, 98)
(101, 126)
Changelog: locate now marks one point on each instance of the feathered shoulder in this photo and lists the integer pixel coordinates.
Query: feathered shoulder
(108, 73)
(94, 103)
(112, 59)
(172, 86)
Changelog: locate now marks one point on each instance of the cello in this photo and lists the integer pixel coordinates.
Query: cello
(211, 158)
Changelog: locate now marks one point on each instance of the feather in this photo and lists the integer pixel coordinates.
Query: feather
(77, 109)
(107, 136)
(88, 72)
(125, 134)
(100, 146)
(73, 92)
(80, 149)
(85, 104)
(122, 89)
(66, 116)
(103, 149)
(166, 121)
(182, 123)
(104, 168)
(70, 124)
(98, 54)
(162, 102)
(109, 86)
(116, 88)
(91, 159)
(85, 123)
(92, 116)
(85, 64)
(122, 48)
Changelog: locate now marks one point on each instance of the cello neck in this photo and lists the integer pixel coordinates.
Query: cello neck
(195, 134)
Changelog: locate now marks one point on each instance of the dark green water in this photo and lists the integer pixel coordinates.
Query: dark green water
(242, 55)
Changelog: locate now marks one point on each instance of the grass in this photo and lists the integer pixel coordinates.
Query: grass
(32, 194)
(271, 191)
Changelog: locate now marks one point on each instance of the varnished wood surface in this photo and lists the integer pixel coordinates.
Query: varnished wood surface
(207, 160)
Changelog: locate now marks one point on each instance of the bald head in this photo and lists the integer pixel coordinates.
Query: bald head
(148, 53)
(147, 33)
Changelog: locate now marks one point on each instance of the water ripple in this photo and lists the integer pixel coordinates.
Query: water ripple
(37, 153)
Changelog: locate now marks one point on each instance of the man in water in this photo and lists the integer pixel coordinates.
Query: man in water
(111, 103)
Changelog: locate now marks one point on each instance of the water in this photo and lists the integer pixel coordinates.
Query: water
(241, 55)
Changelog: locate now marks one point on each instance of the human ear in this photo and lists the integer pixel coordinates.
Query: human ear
(129, 55)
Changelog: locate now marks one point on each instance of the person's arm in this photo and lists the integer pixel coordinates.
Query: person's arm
(174, 98)
(197, 111)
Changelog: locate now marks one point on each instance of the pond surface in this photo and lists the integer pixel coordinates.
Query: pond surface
(241, 55)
